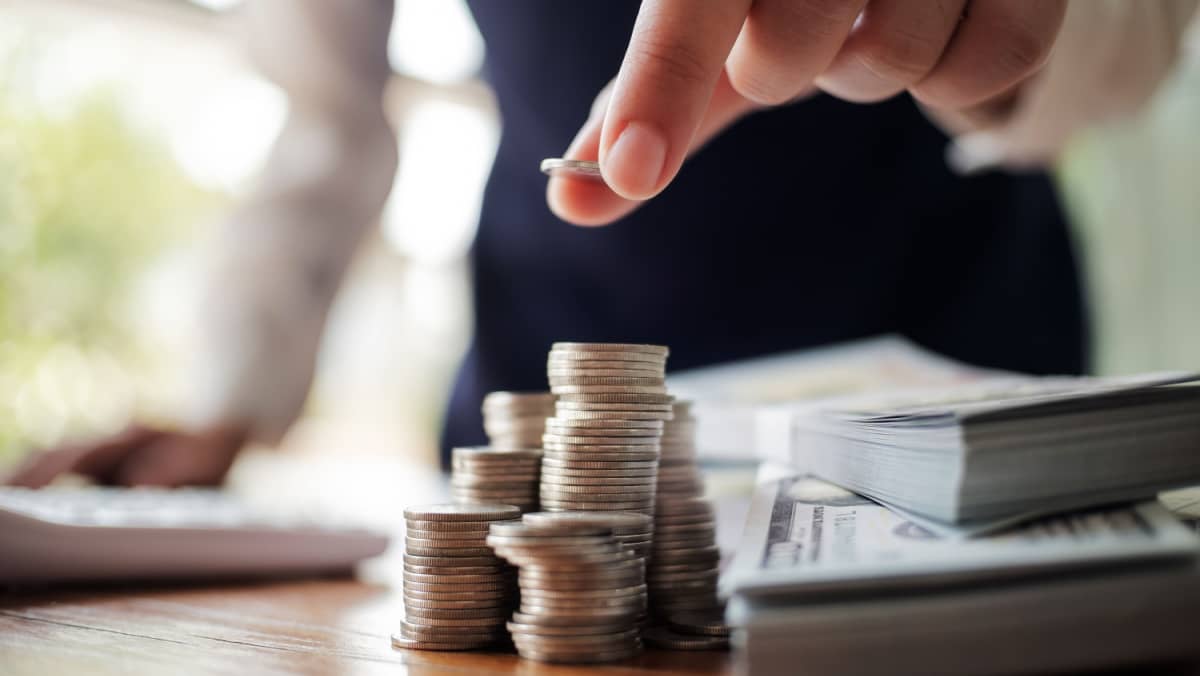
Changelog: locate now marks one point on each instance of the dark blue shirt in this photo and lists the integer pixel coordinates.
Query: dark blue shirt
(818, 222)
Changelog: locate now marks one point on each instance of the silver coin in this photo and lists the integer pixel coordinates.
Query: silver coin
(663, 637)
(440, 535)
(615, 398)
(703, 623)
(647, 348)
(607, 592)
(401, 641)
(567, 432)
(420, 632)
(482, 512)
(615, 630)
(576, 451)
(598, 476)
(416, 613)
(630, 461)
(561, 168)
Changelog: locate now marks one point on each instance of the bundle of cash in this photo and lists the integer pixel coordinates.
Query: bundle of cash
(831, 580)
(457, 593)
(583, 594)
(496, 475)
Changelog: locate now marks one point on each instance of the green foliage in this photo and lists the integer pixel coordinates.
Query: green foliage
(86, 201)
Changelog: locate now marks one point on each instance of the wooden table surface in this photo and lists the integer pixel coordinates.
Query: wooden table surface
(331, 626)
(304, 626)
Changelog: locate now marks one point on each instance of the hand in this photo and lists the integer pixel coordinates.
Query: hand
(140, 456)
(692, 68)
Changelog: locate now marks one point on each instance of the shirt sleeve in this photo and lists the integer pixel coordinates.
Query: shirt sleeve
(1110, 58)
(283, 253)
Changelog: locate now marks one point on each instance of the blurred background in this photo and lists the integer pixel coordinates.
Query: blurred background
(127, 128)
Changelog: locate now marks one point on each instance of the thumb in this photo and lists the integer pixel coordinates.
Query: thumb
(590, 202)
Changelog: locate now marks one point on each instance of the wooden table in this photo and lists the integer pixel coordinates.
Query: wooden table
(313, 626)
(296, 627)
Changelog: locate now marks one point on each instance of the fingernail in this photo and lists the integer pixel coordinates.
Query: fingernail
(635, 161)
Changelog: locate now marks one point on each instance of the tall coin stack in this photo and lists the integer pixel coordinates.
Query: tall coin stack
(487, 474)
(682, 575)
(457, 593)
(582, 592)
(602, 445)
(516, 419)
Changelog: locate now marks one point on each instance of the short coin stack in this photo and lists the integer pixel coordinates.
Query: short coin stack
(487, 474)
(692, 630)
(457, 594)
(516, 419)
(582, 592)
(682, 575)
(602, 445)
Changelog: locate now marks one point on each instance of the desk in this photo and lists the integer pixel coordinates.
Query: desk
(320, 626)
(297, 627)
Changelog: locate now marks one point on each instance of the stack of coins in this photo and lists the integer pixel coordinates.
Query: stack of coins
(682, 575)
(582, 592)
(496, 475)
(602, 445)
(457, 593)
(516, 419)
(632, 531)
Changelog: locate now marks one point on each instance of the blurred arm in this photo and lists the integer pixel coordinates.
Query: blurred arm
(284, 251)
(1110, 57)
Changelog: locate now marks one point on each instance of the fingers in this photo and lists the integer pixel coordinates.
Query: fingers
(895, 44)
(41, 468)
(675, 58)
(785, 44)
(181, 460)
(585, 202)
(997, 45)
(97, 460)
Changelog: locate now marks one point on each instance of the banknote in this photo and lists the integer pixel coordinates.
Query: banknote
(804, 535)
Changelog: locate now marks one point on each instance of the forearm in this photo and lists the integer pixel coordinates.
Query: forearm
(281, 256)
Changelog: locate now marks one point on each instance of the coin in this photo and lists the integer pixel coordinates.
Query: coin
(563, 405)
(588, 506)
(594, 397)
(569, 347)
(447, 526)
(650, 390)
(448, 561)
(423, 632)
(622, 460)
(500, 604)
(399, 641)
(426, 613)
(662, 637)
(563, 371)
(600, 481)
(580, 657)
(482, 512)
(561, 168)
(438, 551)
(580, 449)
(703, 623)
(476, 595)
(451, 587)
(454, 579)
(607, 622)
(579, 383)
